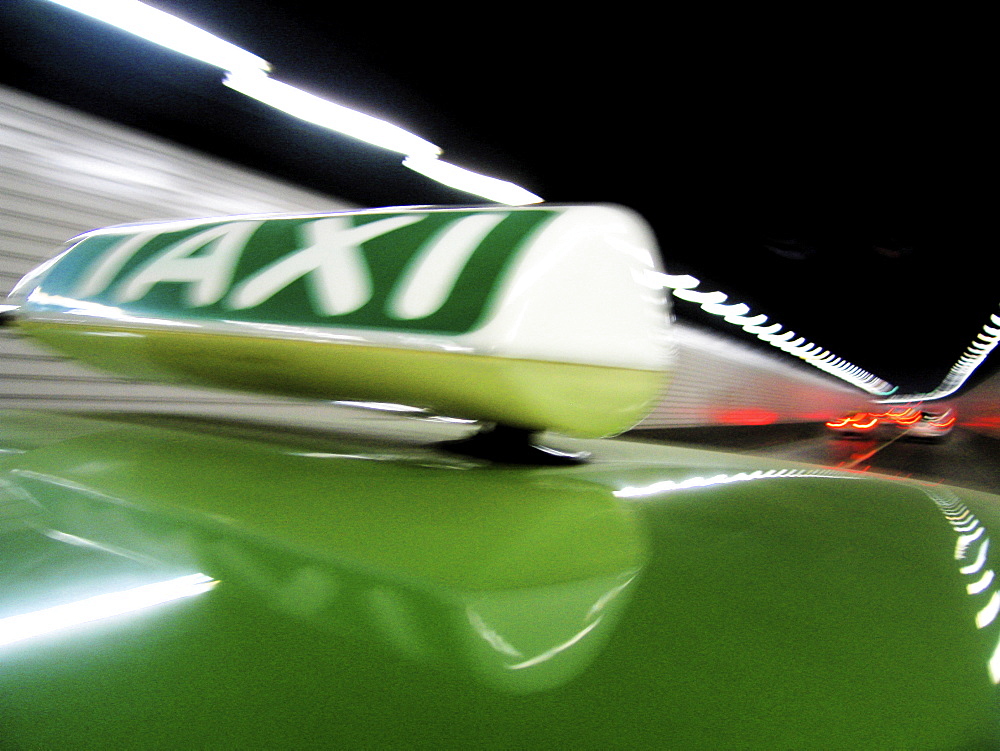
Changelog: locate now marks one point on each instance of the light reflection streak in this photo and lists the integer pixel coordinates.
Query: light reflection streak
(28, 625)
(597, 616)
(994, 665)
(977, 565)
(382, 406)
(82, 311)
(988, 614)
(967, 526)
(962, 520)
(608, 596)
(664, 486)
(963, 542)
(978, 586)
(550, 653)
(491, 636)
(89, 309)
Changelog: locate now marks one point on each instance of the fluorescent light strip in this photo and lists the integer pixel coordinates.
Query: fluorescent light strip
(247, 74)
(168, 31)
(739, 310)
(976, 353)
(460, 178)
(702, 298)
(678, 281)
(27, 625)
(974, 356)
(311, 108)
(683, 287)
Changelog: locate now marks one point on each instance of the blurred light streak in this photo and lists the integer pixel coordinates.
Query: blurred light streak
(663, 486)
(550, 653)
(963, 542)
(966, 526)
(961, 518)
(987, 615)
(318, 111)
(978, 586)
(736, 314)
(702, 298)
(995, 665)
(795, 345)
(168, 31)
(747, 321)
(977, 565)
(719, 309)
(974, 356)
(679, 281)
(460, 178)
(248, 74)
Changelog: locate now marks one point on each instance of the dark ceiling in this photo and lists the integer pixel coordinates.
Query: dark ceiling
(837, 181)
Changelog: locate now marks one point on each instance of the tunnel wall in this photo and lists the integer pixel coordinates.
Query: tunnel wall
(979, 410)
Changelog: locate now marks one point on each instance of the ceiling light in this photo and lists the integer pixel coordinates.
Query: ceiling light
(168, 31)
(702, 298)
(679, 281)
(327, 114)
(460, 178)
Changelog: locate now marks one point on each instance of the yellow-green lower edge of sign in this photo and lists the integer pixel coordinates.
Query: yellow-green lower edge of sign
(579, 400)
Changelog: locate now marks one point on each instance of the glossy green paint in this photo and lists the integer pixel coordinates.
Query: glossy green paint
(379, 593)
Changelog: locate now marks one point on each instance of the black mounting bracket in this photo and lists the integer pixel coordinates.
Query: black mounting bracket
(504, 444)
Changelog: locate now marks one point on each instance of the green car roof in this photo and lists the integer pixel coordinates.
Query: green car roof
(177, 583)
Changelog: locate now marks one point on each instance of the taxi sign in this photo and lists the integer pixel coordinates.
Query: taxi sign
(532, 317)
